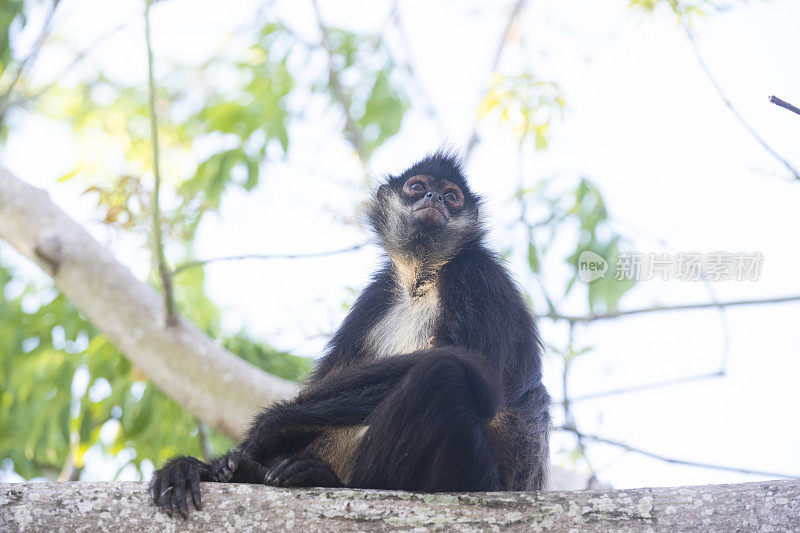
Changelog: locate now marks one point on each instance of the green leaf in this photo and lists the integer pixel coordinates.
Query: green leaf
(533, 258)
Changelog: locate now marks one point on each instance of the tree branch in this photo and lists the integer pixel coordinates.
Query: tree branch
(77, 59)
(126, 506)
(672, 460)
(213, 384)
(786, 105)
(660, 308)
(429, 105)
(733, 109)
(158, 242)
(351, 130)
(29, 60)
(203, 262)
(649, 386)
(515, 11)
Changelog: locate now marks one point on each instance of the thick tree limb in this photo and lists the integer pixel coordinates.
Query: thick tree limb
(213, 384)
(125, 506)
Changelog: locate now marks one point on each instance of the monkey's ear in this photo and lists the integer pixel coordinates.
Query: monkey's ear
(383, 190)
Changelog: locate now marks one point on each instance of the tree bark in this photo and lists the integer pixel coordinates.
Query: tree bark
(213, 384)
(125, 506)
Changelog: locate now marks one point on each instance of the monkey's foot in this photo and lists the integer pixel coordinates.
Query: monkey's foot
(302, 472)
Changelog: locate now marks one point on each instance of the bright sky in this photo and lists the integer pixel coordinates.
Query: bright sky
(643, 122)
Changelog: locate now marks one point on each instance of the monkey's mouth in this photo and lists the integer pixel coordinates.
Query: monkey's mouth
(431, 214)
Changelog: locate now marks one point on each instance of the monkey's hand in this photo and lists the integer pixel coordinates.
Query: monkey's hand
(177, 481)
(302, 472)
(223, 469)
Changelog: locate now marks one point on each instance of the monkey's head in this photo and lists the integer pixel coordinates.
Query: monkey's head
(428, 212)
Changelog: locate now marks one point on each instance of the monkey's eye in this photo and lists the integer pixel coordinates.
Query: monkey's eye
(451, 196)
(417, 187)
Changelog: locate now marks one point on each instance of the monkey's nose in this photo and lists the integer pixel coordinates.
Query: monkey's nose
(436, 197)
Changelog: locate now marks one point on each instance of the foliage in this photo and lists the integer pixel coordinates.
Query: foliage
(526, 103)
(684, 11)
(10, 11)
(369, 77)
(577, 216)
(66, 388)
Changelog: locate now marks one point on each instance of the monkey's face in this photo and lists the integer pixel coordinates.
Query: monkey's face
(428, 212)
(432, 201)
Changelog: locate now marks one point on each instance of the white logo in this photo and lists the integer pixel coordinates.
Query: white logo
(591, 266)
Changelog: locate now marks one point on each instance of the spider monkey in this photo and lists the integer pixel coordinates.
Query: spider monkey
(432, 383)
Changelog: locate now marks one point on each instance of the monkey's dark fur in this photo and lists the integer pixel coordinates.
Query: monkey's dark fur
(432, 383)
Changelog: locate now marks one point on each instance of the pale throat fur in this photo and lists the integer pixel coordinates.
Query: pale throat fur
(410, 322)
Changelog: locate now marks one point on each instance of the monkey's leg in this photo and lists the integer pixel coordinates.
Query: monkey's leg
(430, 434)
(520, 436)
(344, 398)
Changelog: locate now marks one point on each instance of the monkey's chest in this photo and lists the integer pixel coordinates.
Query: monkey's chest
(407, 326)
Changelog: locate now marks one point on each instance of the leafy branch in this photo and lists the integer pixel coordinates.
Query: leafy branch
(474, 138)
(351, 131)
(158, 242)
(30, 59)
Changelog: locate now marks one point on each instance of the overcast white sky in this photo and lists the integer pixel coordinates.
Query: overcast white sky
(642, 122)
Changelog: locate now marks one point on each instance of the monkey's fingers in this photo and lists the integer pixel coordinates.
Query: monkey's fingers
(311, 476)
(194, 488)
(275, 472)
(154, 488)
(304, 472)
(165, 497)
(225, 469)
(180, 481)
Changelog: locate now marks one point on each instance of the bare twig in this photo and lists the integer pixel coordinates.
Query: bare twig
(158, 244)
(569, 418)
(786, 105)
(722, 311)
(649, 386)
(733, 109)
(429, 105)
(79, 56)
(351, 129)
(660, 308)
(672, 460)
(29, 60)
(515, 11)
(193, 264)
